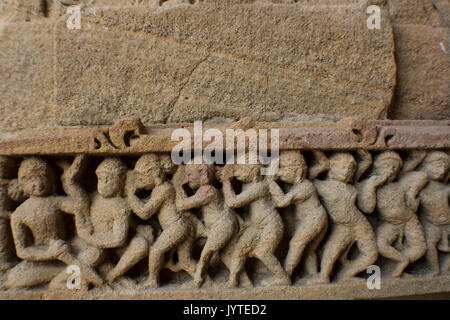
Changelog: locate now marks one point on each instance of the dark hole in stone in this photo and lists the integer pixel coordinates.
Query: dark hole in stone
(97, 144)
(358, 134)
(388, 139)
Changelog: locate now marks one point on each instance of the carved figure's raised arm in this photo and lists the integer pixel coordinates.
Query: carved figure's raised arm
(281, 199)
(145, 210)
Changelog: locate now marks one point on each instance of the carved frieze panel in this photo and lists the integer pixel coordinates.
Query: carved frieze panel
(110, 206)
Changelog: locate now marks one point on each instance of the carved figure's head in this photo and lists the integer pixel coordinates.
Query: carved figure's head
(436, 165)
(247, 172)
(148, 171)
(388, 164)
(198, 175)
(36, 177)
(342, 167)
(293, 168)
(111, 174)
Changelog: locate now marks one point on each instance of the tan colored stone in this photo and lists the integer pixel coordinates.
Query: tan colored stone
(96, 229)
(422, 54)
(215, 61)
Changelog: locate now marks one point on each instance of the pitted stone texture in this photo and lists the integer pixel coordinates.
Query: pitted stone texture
(422, 54)
(211, 60)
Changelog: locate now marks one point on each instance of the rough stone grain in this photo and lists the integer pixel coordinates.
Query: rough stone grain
(215, 61)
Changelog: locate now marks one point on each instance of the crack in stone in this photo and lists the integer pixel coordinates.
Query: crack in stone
(172, 104)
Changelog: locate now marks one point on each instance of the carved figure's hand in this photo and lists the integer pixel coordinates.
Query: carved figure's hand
(378, 180)
(58, 247)
(227, 172)
(412, 202)
(15, 192)
(179, 178)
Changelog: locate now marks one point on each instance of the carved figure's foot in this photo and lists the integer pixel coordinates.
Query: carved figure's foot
(149, 284)
(126, 283)
(231, 285)
(433, 274)
(407, 276)
(110, 277)
(351, 280)
(276, 283)
(190, 285)
(397, 273)
(318, 279)
(246, 283)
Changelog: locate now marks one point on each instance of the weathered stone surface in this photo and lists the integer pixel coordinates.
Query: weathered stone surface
(346, 196)
(214, 61)
(422, 54)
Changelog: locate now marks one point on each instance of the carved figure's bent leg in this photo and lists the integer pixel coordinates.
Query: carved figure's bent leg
(433, 236)
(364, 237)
(33, 273)
(240, 254)
(308, 230)
(387, 234)
(311, 260)
(341, 236)
(415, 238)
(218, 237)
(137, 250)
(168, 239)
(269, 237)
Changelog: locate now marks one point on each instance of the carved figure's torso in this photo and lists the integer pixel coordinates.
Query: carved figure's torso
(339, 199)
(43, 217)
(392, 205)
(434, 201)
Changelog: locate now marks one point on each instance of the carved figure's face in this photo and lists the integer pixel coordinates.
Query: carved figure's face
(291, 167)
(246, 172)
(343, 170)
(146, 180)
(35, 184)
(197, 175)
(109, 184)
(389, 168)
(288, 173)
(437, 169)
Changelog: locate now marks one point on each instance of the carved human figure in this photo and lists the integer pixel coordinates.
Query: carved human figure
(106, 220)
(39, 231)
(7, 171)
(350, 226)
(263, 231)
(435, 212)
(221, 223)
(311, 216)
(177, 230)
(397, 203)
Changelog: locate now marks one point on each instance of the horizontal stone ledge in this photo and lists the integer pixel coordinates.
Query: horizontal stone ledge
(389, 289)
(131, 137)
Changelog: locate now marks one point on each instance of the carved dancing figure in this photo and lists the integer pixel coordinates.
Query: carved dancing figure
(106, 220)
(220, 222)
(39, 231)
(397, 202)
(311, 217)
(263, 232)
(178, 231)
(350, 226)
(435, 212)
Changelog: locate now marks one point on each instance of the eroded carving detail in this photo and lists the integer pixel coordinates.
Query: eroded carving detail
(137, 220)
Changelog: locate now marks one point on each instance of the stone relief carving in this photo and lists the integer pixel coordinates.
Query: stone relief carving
(137, 220)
